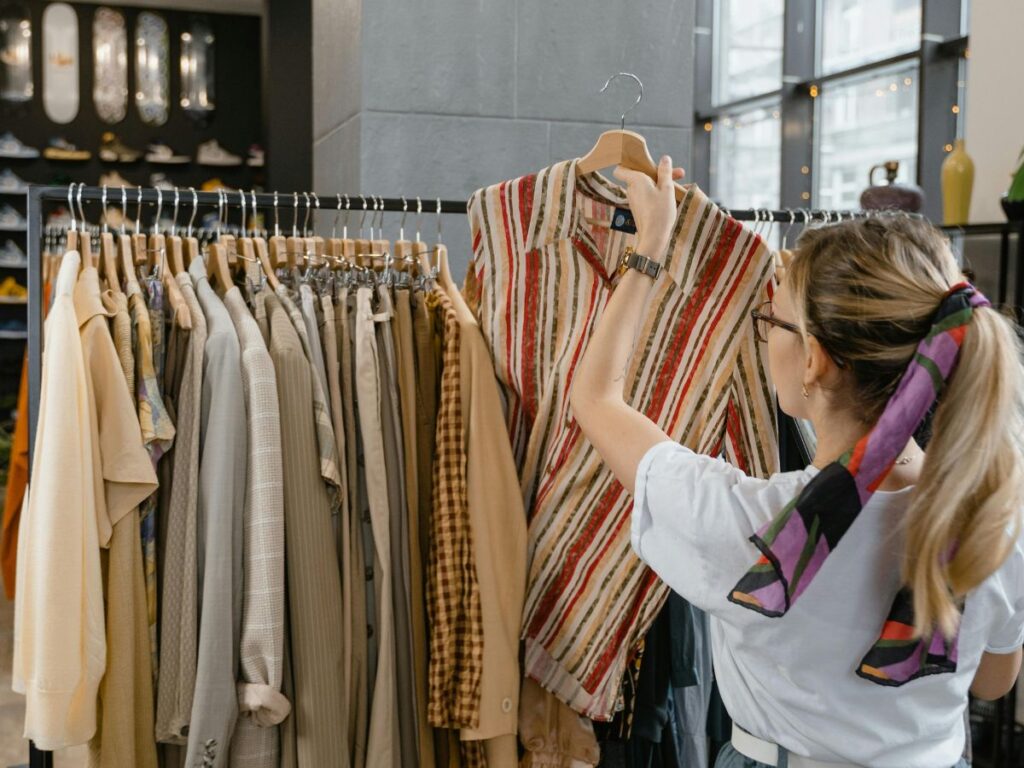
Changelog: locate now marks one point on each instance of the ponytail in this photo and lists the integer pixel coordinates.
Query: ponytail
(964, 516)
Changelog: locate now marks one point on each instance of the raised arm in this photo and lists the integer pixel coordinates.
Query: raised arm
(621, 434)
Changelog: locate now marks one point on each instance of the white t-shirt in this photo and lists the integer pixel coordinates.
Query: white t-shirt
(791, 680)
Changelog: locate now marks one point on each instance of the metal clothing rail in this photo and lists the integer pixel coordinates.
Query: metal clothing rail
(308, 202)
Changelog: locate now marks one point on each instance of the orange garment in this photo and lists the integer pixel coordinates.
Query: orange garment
(17, 476)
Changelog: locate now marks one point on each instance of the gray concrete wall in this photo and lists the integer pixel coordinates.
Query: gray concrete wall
(440, 98)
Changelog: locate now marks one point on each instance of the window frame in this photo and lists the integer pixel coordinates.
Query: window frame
(942, 47)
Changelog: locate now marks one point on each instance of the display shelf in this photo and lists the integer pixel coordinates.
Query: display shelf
(13, 300)
(13, 335)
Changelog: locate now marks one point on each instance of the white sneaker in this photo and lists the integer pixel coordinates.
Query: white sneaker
(12, 147)
(11, 220)
(12, 257)
(212, 153)
(162, 154)
(257, 157)
(160, 181)
(9, 182)
(114, 179)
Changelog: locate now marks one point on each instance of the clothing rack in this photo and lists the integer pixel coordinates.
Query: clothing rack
(308, 202)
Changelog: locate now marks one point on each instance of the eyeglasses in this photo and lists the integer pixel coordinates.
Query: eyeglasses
(764, 320)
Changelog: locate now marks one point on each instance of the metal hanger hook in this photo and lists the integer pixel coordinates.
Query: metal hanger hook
(174, 220)
(419, 216)
(241, 197)
(195, 209)
(220, 210)
(138, 210)
(305, 221)
(362, 219)
(252, 192)
(124, 209)
(639, 97)
(159, 210)
(81, 210)
(316, 204)
(337, 213)
(103, 203)
(277, 222)
(71, 205)
(439, 221)
(405, 212)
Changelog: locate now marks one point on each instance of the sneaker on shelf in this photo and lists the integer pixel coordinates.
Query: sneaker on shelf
(160, 181)
(10, 146)
(114, 179)
(212, 153)
(216, 185)
(12, 257)
(162, 154)
(113, 150)
(10, 182)
(257, 157)
(62, 149)
(11, 220)
(12, 289)
(13, 329)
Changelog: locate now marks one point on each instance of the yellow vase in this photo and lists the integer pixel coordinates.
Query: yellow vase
(957, 183)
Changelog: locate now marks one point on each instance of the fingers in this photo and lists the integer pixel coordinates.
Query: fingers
(677, 174)
(664, 171)
(628, 175)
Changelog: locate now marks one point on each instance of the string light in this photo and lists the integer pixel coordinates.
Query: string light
(805, 170)
(907, 80)
(879, 92)
(805, 195)
(892, 86)
(814, 91)
(956, 109)
(708, 126)
(948, 147)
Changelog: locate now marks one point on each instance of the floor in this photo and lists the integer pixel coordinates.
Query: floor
(14, 748)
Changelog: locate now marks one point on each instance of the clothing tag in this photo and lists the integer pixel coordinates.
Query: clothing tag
(622, 221)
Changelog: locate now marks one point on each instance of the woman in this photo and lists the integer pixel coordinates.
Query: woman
(853, 604)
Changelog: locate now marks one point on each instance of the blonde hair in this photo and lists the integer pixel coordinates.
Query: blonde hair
(868, 290)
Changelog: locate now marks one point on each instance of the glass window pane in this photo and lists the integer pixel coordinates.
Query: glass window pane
(864, 122)
(748, 48)
(855, 32)
(745, 159)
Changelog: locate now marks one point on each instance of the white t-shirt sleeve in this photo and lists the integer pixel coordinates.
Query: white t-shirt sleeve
(693, 516)
(1007, 633)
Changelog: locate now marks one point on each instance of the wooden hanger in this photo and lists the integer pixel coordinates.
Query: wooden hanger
(622, 147)
(125, 249)
(191, 250)
(264, 258)
(278, 252)
(217, 268)
(444, 274)
(108, 258)
(175, 255)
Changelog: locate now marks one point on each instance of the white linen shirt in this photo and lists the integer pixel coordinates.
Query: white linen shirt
(791, 680)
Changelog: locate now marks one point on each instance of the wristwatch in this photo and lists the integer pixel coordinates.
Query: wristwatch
(633, 260)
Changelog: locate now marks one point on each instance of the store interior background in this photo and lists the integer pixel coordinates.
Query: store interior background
(437, 99)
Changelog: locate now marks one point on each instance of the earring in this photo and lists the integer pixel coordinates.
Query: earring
(803, 391)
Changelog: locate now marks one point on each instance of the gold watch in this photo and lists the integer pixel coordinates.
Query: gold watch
(633, 260)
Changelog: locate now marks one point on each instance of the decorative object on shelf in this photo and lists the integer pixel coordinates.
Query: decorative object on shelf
(16, 82)
(110, 65)
(957, 184)
(160, 181)
(114, 179)
(11, 220)
(212, 153)
(60, 62)
(216, 185)
(11, 183)
(113, 150)
(197, 70)
(891, 196)
(60, 148)
(161, 154)
(1013, 200)
(12, 257)
(12, 147)
(12, 289)
(257, 157)
(152, 68)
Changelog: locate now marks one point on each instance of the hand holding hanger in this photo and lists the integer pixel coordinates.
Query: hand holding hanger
(653, 206)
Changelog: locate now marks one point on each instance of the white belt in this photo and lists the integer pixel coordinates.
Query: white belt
(765, 752)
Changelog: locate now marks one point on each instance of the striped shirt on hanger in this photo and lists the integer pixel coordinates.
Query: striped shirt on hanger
(544, 268)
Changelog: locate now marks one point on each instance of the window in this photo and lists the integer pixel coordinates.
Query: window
(749, 48)
(796, 100)
(864, 122)
(746, 149)
(855, 32)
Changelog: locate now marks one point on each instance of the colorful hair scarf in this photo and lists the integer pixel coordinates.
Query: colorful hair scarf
(795, 545)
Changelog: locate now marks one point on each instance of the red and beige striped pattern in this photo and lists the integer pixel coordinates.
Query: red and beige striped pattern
(543, 271)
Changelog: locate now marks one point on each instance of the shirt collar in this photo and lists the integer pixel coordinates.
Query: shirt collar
(88, 299)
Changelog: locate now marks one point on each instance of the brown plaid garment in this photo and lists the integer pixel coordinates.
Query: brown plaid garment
(453, 595)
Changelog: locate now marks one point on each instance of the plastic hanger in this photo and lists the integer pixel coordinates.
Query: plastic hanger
(622, 147)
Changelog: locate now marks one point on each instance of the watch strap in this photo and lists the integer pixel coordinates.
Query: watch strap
(642, 264)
